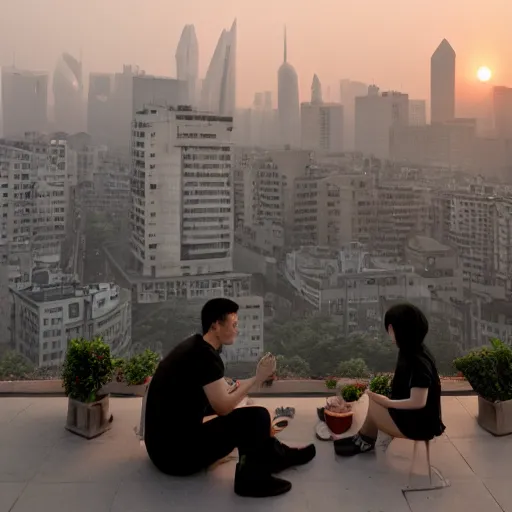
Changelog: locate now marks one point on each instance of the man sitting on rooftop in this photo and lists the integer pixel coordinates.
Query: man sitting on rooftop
(186, 383)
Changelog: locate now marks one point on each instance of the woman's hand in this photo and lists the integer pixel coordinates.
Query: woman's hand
(382, 400)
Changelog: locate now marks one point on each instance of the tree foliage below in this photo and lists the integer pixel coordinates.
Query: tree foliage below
(320, 343)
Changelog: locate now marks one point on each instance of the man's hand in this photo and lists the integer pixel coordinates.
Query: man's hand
(266, 368)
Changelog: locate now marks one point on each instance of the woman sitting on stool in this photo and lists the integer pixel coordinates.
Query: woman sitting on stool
(414, 409)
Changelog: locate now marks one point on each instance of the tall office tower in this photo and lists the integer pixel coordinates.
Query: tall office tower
(349, 91)
(417, 113)
(321, 123)
(288, 102)
(24, 101)
(502, 105)
(316, 91)
(99, 108)
(182, 198)
(218, 94)
(187, 62)
(165, 92)
(442, 83)
(122, 107)
(68, 95)
(376, 115)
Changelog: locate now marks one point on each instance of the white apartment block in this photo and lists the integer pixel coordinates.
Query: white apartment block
(34, 198)
(182, 192)
(47, 317)
(322, 127)
(375, 115)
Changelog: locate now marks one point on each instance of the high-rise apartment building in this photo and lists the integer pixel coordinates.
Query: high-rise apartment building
(321, 123)
(442, 83)
(182, 199)
(376, 114)
(288, 103)
(502, 103)
(24, 102)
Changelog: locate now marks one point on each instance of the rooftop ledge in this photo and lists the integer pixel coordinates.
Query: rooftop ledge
(45, 468)
(280, 388)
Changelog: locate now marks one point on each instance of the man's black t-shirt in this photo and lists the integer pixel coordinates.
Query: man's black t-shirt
(417, 371)
(176, 402)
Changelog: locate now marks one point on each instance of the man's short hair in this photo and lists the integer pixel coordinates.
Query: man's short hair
(216, 310)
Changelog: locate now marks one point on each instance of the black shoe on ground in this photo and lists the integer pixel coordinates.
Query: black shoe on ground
(286, 457)
(350, 446)
(251, 483)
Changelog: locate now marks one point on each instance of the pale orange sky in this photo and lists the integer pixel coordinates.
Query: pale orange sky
(388, 43)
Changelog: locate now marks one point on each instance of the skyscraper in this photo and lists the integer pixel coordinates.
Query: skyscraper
(442, 83)
(68, 95)
(376, 115)
(321, 123)
(316, 91)
(25, 101)
(99, 108)
(349, 91)
(218, 94)
(187, 61)
(502, 105)
(288, 102)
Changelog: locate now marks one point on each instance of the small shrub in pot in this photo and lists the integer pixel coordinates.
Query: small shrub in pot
(87, 368)
(140, 368)
(381, 384)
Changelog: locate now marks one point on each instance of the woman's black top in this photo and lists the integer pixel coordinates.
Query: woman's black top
(417, 370)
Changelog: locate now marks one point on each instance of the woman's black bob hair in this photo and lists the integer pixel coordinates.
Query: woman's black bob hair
(410, 326)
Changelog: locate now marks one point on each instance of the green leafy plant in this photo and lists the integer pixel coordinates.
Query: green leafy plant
(289, 367)
(14, 366)
(331, 382)
(140, 367)
(381, 384)
(353, 392)
(489, 371)
(118, 365)
(353, 369)
(87, 368)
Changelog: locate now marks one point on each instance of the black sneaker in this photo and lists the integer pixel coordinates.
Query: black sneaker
(351, 446)
(252, 483)
(286, 457)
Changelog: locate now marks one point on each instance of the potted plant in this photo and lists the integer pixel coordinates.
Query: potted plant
(381, 384)
(87, 368)
(489, 371)
(331, 382)
(139, 369)
(353, 392)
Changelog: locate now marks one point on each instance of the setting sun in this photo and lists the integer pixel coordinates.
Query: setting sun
(484, 74)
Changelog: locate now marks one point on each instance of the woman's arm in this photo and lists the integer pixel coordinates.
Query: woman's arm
(417, 400)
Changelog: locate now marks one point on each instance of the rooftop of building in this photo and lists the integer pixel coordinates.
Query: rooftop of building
(426, 244)
(56, 292)
(43, 467)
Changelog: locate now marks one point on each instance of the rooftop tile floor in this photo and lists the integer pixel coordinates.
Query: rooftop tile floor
(46, 469)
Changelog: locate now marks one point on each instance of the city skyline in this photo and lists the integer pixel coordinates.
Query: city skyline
(364, 59)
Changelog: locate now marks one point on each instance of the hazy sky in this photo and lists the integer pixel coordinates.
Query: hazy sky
(388, 43)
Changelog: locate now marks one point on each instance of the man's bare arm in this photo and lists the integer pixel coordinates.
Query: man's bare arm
(224, 402)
